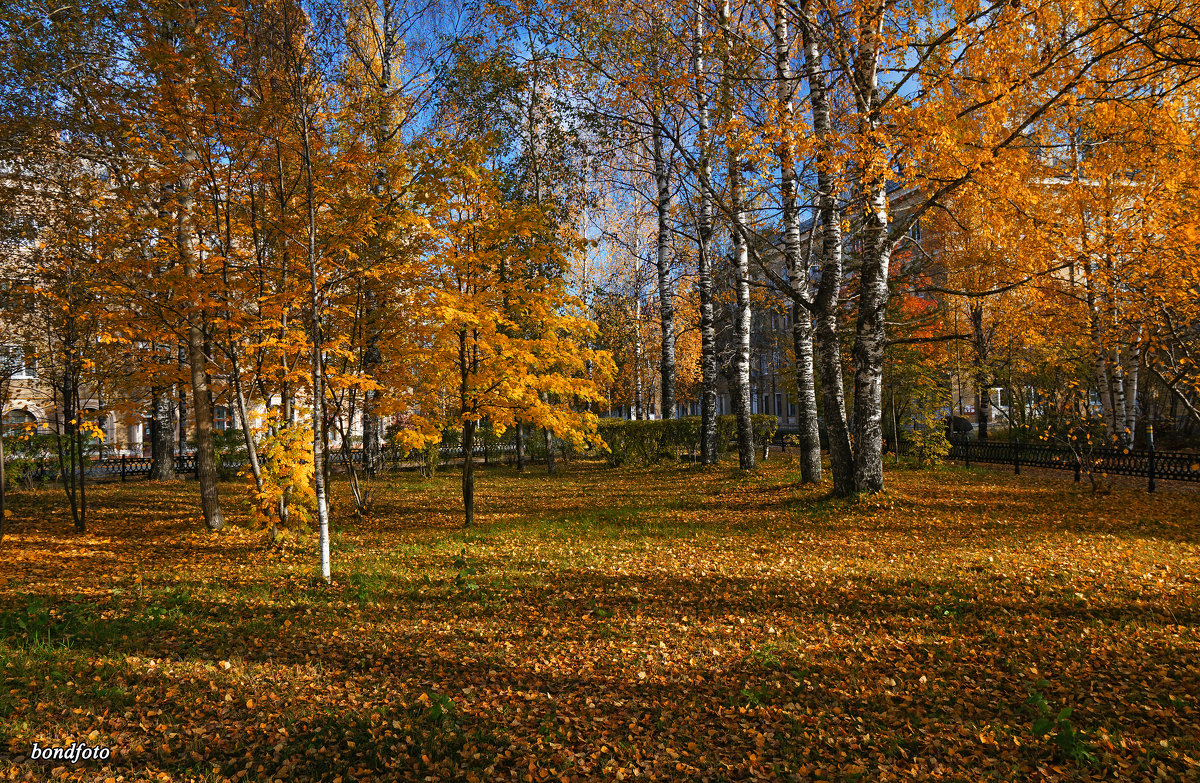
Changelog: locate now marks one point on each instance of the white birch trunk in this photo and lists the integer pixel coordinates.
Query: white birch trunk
(741, 265)
(870, 338)
(639, 409)
(1118, 397)
(708, 334)
(829, 288)
(1132, 409)
(317, 368)
(802, 334)
(666, 296)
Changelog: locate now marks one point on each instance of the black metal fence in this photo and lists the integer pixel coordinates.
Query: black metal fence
(1111, 460)
(135, 467)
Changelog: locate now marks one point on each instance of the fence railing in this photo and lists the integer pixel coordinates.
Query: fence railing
(1150, 464)
(132, 467)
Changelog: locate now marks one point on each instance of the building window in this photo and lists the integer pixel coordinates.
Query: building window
(778, 404)
(222, 418)
(18, 362)
(18, 421)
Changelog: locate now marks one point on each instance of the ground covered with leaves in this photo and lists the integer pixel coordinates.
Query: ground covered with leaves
(666, 623)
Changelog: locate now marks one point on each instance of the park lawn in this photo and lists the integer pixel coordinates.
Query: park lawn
(615, 624)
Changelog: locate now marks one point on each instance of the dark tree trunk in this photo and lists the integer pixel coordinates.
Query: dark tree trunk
(206, 462)
(551, 466)
(983, 408)
(162, 435)
(70, 456)
(3, 479)
(983, 397)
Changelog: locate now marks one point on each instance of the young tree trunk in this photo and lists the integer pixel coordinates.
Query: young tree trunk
(80, 452)
(1132, 408)
(1121, 403)
(828, 295)
(1094, 297)
(639, 408)
(468, 471)
(741, 267)
(68, 454)
(318, 370)
(704, 230)
(666, 295)
(372, 423)
(3, 480)
(206, 461)
(244, 418)
(288, 414)
(520, 438)
(802, 338)
(162, 436)
(181, 417)
(1104, 385)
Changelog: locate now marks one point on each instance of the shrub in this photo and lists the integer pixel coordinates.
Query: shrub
(29, 458)
(286, 467)
(229, 448)
(764, 427)
(431, 455)
(928, 442)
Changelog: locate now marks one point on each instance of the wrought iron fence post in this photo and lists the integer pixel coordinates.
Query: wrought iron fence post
(122, 467)
(1017, 456)
(1150, 455)
(966, 444)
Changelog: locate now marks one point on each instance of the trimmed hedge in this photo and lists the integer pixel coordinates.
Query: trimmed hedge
(651, 442)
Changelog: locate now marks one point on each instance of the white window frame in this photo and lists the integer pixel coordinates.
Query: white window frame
(27, 369)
